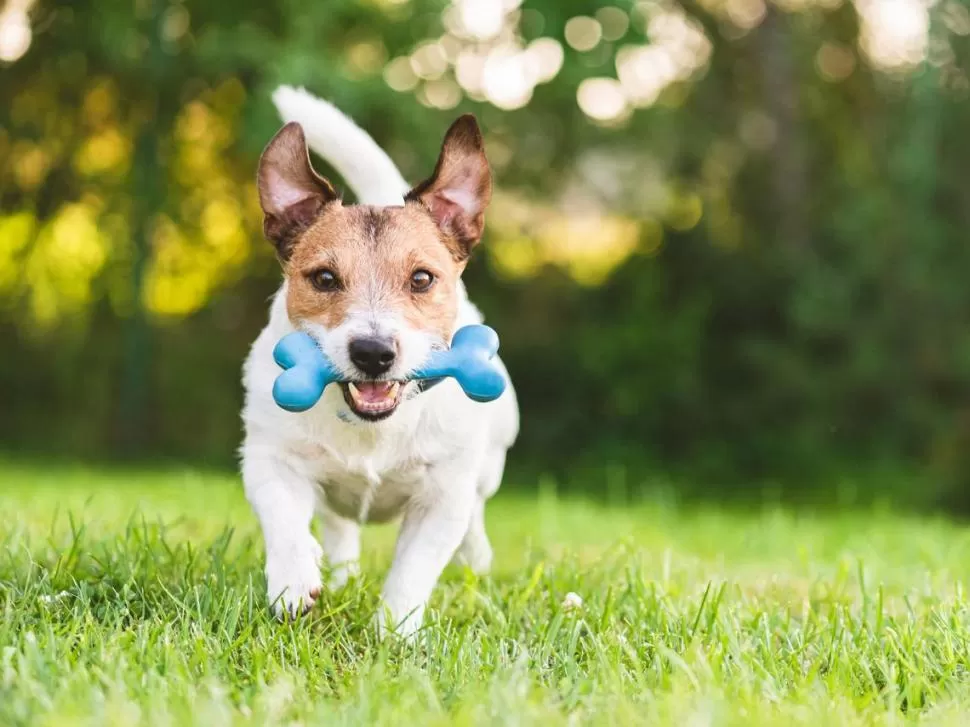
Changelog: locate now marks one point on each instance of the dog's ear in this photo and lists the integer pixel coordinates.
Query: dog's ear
(291, 193)
(460, 188)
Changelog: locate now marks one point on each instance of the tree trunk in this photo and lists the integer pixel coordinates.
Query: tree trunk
(781, 95)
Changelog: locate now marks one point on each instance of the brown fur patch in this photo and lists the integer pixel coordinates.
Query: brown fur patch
(374, 251)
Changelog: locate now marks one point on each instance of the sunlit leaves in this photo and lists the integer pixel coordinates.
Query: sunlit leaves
(210, 240)
(54, 269)
(16, 232)
(587, 246)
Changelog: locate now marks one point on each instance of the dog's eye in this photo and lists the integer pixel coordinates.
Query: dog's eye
(324, 280)
(421, 280)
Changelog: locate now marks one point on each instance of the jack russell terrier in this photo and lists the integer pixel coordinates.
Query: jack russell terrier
(378, 285)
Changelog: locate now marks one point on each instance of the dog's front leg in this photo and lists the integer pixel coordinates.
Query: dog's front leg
(284, 501)
(433, 527)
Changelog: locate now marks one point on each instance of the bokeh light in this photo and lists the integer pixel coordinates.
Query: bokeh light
(613, 21)
(506, 78)
(15, 32)
(746, 14)
(602, 99)
(429, 61)
(835, 62)
(894, 33)
(399, 75)
(583, 33)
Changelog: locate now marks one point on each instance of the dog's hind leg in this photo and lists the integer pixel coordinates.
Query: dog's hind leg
(341, 548)
(475, 551)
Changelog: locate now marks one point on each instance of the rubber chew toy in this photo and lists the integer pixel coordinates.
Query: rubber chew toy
(470, 361)
(306, 372)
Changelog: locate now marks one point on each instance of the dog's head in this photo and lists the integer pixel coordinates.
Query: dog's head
(376, 285)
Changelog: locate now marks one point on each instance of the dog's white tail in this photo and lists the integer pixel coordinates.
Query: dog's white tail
(365, 167)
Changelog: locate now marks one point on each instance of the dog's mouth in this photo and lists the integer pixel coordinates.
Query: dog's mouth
(372, 400)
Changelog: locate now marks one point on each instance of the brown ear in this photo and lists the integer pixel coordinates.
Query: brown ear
(458, 192)
(291, 193)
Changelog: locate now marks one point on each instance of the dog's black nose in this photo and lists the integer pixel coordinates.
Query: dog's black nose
(373, 356)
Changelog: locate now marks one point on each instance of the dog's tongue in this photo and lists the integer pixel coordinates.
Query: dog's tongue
(373, 392)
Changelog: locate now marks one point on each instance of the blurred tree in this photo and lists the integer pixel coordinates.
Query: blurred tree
(727, 237)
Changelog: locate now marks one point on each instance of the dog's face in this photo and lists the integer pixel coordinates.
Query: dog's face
(376, 286)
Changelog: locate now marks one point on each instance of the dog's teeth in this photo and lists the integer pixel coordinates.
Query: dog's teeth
(379, 397)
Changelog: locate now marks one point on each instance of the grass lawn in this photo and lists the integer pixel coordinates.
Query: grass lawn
(138, 598)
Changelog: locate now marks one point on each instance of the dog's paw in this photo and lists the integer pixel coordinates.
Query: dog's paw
(293, 580)
(404, 626)
(475, 554)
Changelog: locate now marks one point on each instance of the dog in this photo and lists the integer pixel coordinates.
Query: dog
(378, 285)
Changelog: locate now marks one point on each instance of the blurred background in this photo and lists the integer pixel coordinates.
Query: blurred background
(727, 253)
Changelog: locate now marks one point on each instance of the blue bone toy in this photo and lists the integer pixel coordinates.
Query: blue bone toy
(470, 361)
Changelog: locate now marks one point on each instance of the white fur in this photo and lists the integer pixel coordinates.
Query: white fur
(433, 462)
(365, 167)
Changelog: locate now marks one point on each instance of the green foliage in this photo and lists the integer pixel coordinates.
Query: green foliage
(132, 597)
(757, 275)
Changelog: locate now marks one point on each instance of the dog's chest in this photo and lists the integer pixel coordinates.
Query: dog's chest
(360, 489)
(366, 474)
